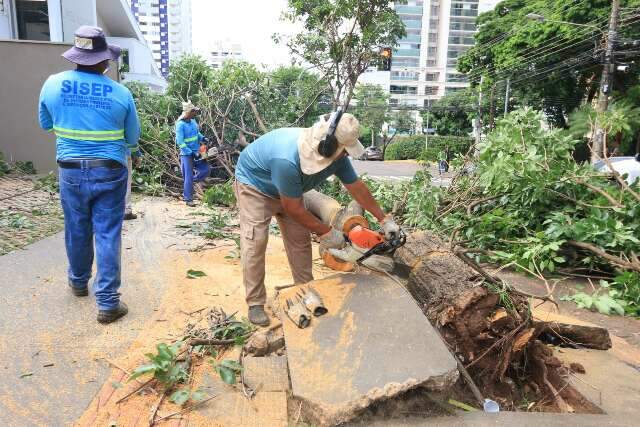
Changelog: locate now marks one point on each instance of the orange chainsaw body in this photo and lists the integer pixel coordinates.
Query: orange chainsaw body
(364, 238)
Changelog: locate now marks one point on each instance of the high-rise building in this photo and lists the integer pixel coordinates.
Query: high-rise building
(222, 51)
(166, 25)
(423, 67)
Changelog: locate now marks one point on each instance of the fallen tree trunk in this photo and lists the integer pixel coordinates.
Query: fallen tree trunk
(489, 327)
(576, 336)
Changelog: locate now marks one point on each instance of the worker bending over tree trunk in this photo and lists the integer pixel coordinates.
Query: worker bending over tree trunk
(271, 176)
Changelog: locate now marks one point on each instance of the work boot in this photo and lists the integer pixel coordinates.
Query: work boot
(257, 315)
(191, 203)
(130, 215)
(79, 291)
(108, 316)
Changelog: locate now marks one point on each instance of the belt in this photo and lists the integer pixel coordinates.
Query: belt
(89, 164)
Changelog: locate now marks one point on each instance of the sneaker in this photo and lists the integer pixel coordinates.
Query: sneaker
(108, 316)
(257, 315)
(191, 204)
(130, 215)
(79, 291)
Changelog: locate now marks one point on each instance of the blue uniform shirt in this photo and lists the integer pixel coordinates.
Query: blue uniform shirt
(91, 115)
(271, 164)
(188, 137)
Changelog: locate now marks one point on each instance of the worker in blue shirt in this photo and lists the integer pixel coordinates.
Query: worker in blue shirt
(96, 125)
(188, 140)
(272, 175)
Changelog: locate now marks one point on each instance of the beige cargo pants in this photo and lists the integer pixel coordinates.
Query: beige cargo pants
(256, 211)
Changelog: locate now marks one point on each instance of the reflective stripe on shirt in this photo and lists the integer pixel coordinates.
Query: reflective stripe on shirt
(193, 138)
(90, 135)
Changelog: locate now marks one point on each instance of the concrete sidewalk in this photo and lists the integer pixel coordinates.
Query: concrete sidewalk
(52, 348)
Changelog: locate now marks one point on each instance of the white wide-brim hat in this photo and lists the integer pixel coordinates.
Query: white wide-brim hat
(347, 132)
(188, 107)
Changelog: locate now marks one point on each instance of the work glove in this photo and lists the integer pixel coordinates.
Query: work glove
(332, 240)
(298, 313)
(213, 151)
(313, 302)
(347, 254)
(389, 227)
(205, 139)
(197, 156)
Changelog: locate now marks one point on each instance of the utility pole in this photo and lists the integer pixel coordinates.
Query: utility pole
(478, 121)
(597, 150)
(506, 97)
(426, 133)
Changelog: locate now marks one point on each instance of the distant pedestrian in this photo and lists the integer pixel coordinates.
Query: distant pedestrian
(96, 124)
(189, 139)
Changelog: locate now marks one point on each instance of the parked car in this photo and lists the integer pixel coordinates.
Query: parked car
(372, 153)
(629, 166)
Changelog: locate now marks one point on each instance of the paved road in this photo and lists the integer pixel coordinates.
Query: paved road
(399, 170)
(52, 349)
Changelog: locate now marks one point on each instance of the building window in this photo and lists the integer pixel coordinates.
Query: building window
(403, 90)
(405, 62)
(432, 62)
(431, 90)
(459, 78)
(449, 90)
(32, 18)
(393, 102)
(431, 77)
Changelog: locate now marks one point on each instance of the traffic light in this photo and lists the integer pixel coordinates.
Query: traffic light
(385, 59)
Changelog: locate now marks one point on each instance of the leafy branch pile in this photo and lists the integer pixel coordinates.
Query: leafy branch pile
(171, 367)
(238, 102)
(527, 203)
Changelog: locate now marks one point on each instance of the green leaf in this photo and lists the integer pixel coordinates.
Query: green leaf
(180, 397)
(26, 374)
(227, 375)
(198, 395)
(141, 370)
(194, 274)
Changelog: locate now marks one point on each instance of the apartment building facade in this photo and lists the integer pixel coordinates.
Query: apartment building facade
(166, 25)
(221, 51)
(424, 63)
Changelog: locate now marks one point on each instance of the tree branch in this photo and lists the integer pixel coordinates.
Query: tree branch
(630, 265)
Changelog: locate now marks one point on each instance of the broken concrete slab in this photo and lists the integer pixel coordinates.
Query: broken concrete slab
(506, 419)
(232, 408)
(266, 373)
(610, 383)
(374, 344)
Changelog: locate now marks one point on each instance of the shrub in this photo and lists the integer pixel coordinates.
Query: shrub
(220, 195)
(413, 147)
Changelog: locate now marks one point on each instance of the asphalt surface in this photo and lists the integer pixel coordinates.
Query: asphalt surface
(52, 350)
(400, 170)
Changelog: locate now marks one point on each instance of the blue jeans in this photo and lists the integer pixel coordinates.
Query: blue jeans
(93, 203)
(192, 171)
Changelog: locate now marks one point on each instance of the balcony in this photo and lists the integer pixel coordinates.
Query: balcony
(411, 38)
(413, 24)
(412, 10)
(406, 52)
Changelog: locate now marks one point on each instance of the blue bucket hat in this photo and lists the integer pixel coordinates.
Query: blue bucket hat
(91, 47)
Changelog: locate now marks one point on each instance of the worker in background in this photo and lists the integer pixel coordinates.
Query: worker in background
(271, 176)
(96, 125)
(189, 139)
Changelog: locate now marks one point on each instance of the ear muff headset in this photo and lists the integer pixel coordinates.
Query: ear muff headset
(329, 144)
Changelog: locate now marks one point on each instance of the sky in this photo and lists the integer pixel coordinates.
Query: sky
(250, 23)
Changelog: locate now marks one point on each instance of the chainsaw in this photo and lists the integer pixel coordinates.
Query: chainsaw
(368, 247)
